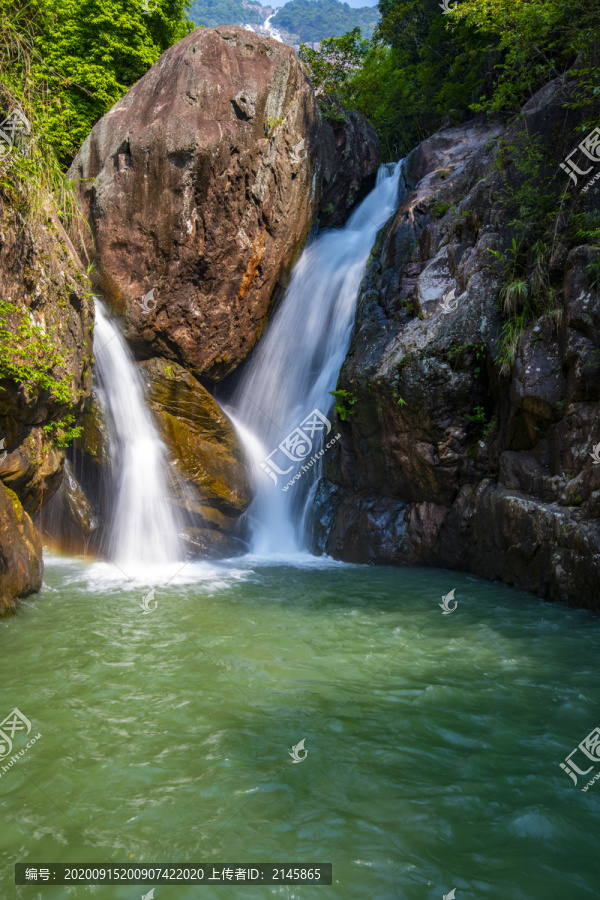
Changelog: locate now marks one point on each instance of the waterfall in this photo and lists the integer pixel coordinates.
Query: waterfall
(296, 365)
(144, 529)
(271, 30)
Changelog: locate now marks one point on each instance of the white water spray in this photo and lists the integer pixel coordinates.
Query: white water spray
(144, 526)
(297, 362)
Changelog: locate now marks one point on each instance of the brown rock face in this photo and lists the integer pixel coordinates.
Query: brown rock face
(21, 565)
(209, 470)
(46, 320)
(192, 187)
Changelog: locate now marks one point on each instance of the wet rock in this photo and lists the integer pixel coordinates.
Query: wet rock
(49, 315)
(70, 521)
(46, 317)
(209, 468)
(21, 565)
(206, 543)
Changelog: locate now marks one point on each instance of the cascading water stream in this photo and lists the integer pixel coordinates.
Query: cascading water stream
(297, 362)
(144, 528)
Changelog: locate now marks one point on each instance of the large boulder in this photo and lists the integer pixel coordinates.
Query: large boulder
(352, 158)
(202, 183)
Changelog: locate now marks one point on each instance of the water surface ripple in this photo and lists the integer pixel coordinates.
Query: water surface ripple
(433, 741)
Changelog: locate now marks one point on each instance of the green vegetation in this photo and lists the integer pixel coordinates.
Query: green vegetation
(439, 209)
(314, 20)
(69, 61)
(479, 418)
(423, 67)
(543, 217)
(344, 401)
(210, 13)
(272, 123)
(30, 356)
(63, 65)
(334, 64)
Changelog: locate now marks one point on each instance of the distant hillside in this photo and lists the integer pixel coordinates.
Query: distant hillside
(211, 13)
(313, 20)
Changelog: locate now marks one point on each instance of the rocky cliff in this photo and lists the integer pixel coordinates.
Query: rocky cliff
(46, 320)
(475, 369)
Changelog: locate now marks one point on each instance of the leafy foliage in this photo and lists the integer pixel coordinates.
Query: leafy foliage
(30, 356)
(344, 401)
(78, 57)
(424, 68)
(336, 59)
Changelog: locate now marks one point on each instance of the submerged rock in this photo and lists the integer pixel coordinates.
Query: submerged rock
(206, 543)
(201, 184)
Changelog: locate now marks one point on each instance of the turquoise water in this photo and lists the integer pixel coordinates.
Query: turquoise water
(434, 741)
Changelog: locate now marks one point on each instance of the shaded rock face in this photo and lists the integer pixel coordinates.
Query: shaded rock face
(209, 468)
(47, 318)
(70, 521)
(352, 157)
(21, 564)
(449, 458)
(192, 186)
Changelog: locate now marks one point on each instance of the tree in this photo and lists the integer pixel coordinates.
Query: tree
(90, 52)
